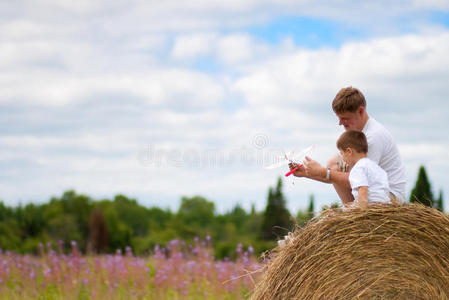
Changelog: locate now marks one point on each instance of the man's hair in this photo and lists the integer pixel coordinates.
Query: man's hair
(348, 99)
(353, 139)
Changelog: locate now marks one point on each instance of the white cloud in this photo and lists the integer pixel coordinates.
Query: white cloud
(381, 66)
(20, 29)
(82, 99)
(229, 50)
(119, 18)
(235, 48)
(154, 42)
(157, 87)
(193, 45)
(419, 151)
(431, 4)
(81, 6)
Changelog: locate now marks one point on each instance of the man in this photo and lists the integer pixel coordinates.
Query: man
(350, 107)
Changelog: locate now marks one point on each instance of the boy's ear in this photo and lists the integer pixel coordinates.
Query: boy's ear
(348, 150)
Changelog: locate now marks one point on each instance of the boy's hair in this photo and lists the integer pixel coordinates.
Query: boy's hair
(348, 99)
(353, 139)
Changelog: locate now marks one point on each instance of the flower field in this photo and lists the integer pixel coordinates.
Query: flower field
(179, 271)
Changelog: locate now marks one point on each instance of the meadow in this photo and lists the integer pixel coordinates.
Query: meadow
(178, 271)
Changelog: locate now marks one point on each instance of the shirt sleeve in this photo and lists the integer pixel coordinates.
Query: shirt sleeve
(375, 148)
(358, 178)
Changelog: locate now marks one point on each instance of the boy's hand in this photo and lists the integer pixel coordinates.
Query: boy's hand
(300, 172)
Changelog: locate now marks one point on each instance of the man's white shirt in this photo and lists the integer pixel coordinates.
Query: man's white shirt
(383, 150)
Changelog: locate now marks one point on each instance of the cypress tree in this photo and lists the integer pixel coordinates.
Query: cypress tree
(311, 208)
(422, 192)
(276, 220)
(439, 202)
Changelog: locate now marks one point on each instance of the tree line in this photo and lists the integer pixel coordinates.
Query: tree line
(103, 226)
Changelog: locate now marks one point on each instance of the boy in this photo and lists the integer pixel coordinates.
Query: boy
(369, 182)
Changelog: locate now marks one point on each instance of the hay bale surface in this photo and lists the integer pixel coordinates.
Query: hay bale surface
(383, 252)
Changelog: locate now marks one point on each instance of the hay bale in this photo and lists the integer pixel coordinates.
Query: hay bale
(383, 252)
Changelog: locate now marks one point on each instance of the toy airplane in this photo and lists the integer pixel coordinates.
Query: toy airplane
(291, 157)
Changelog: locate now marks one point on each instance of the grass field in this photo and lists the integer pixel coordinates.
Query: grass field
(179, 271)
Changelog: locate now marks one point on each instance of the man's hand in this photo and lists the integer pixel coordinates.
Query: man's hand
(313, 169)
(300, 172)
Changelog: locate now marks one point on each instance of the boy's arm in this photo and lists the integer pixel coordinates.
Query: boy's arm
(363, 196)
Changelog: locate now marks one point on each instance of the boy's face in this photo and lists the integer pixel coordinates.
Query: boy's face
(347, 156)
(352, 120)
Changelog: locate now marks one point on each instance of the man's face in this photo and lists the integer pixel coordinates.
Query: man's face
(352, 120)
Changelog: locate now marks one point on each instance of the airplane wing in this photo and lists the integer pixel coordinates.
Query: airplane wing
(296, 157)
(301, 155)
(279, 163)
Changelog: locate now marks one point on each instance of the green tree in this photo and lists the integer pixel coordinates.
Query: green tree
(422, 192)
(196, 211)
(32, 220)
(254, 222)
(67, 218)
(311, 208)
(158, 218)
(302, 217)
(277, 220)
(10, 235)
(119, 233)
(132, 214)
(6, 212)
(237, 216)
(439, 202)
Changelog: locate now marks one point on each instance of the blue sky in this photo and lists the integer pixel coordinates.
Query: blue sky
(214, 90)
(306, 32)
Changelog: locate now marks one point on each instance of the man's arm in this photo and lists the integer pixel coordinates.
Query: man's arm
(312, 170)
(317, 172)
(340, 180)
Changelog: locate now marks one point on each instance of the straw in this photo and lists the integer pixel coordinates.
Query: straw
(382, 252)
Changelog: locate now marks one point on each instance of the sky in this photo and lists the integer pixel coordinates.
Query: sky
(158, 100)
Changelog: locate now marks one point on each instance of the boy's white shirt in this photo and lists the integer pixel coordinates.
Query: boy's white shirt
(367, 173)
(383, 151)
